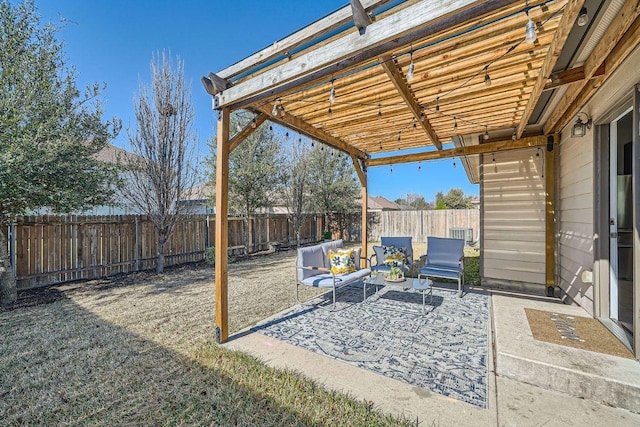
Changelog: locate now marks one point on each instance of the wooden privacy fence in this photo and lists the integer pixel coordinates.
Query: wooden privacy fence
(420, 224)
(54, 249)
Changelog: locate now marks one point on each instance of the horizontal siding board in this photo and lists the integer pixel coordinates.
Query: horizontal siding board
(516, 276)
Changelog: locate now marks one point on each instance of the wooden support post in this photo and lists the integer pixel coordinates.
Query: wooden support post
(364, 239)
(222, 226)
(550, 211)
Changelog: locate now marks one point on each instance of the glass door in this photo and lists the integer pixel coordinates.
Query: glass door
(621, 221)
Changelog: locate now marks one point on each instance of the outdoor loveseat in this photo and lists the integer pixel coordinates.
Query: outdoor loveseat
(314, 268)
(445, 260)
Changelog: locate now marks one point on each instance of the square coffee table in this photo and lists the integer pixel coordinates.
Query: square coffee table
(419, 285)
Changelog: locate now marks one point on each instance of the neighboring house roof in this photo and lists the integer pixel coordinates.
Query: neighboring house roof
(113, 154)
(379, 203)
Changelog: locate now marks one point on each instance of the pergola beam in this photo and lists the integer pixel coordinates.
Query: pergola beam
(305, 128)
(413, 23)
(565, 77)
(313, 31)
(621, 37)
(394, 73)
(246, 131)
(398, 80)
(489, 147)
(569, 15)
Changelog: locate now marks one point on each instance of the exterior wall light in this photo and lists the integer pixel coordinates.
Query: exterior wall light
(580, 127)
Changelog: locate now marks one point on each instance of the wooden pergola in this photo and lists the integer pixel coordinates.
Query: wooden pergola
(393, 81)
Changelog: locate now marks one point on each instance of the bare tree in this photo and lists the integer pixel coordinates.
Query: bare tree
(161, 171)
(296, 187)
(255, 172)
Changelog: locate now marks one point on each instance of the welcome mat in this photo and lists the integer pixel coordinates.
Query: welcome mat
(444, 350)
(574, 331)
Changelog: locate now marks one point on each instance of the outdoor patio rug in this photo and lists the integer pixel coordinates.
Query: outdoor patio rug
(444, 350)
(574, 331)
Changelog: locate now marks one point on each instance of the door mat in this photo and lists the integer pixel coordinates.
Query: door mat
(574, 331)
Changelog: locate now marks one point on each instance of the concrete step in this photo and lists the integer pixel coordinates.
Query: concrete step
(610, 380)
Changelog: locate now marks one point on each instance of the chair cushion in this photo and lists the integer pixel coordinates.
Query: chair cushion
(326, 280)
(445, 272)
(342, 261)
(444, 252)
(311, 256)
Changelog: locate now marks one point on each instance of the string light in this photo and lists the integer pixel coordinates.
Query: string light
(583, 17)
(414, 123)
(287, 134)
(330, 112)
(419, 167)
(399, 133)
(274, 111)
(379, 110)
(391, 169)
(455, 123)
(454, 163)
(332, 94)
(437, 104)
(281, 108)
(493, 159)
(531, 35)
(411, 67)
(270, 128)
(253, 123)
(514, 136)
(313, 144)
(487, 79)
(486, 133)
(538, 152)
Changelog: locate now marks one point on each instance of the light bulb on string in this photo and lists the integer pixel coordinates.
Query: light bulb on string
(538, 152)
(419, 167)
(486, 133)
(274, 110)
(270, 128)
(414, 123)
(379, 110)
(437, 104)
(455, 123)
(287, 134)
(411, 68)
(281, 109)
(493, 157)
(330, 112)
(391, 169)
(332, 94)
(531, 35)
(313, 144)
(253, 123)
(514, 136)
(454, 163)
(583, 17)
(487, 79)
(399, 133)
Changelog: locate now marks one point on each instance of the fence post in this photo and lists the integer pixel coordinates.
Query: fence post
(12, 247)
(136, 252)
(206, 239)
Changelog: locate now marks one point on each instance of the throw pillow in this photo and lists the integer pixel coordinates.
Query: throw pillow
(395, 257)
(342, 261)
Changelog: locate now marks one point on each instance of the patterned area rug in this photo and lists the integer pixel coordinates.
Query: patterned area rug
(444, 350)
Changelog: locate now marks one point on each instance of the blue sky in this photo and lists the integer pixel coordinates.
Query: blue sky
(113, 41)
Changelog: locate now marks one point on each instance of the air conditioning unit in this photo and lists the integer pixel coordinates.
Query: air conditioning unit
(461, 233)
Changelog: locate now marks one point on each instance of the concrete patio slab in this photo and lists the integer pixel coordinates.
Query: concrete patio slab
(614, 381)
(511, 402)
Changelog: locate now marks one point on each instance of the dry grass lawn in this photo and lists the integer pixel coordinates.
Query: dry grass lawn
(139, 350)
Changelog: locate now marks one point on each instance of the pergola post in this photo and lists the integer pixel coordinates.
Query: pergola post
(361, 170)
(550, 215)
(222, 226)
